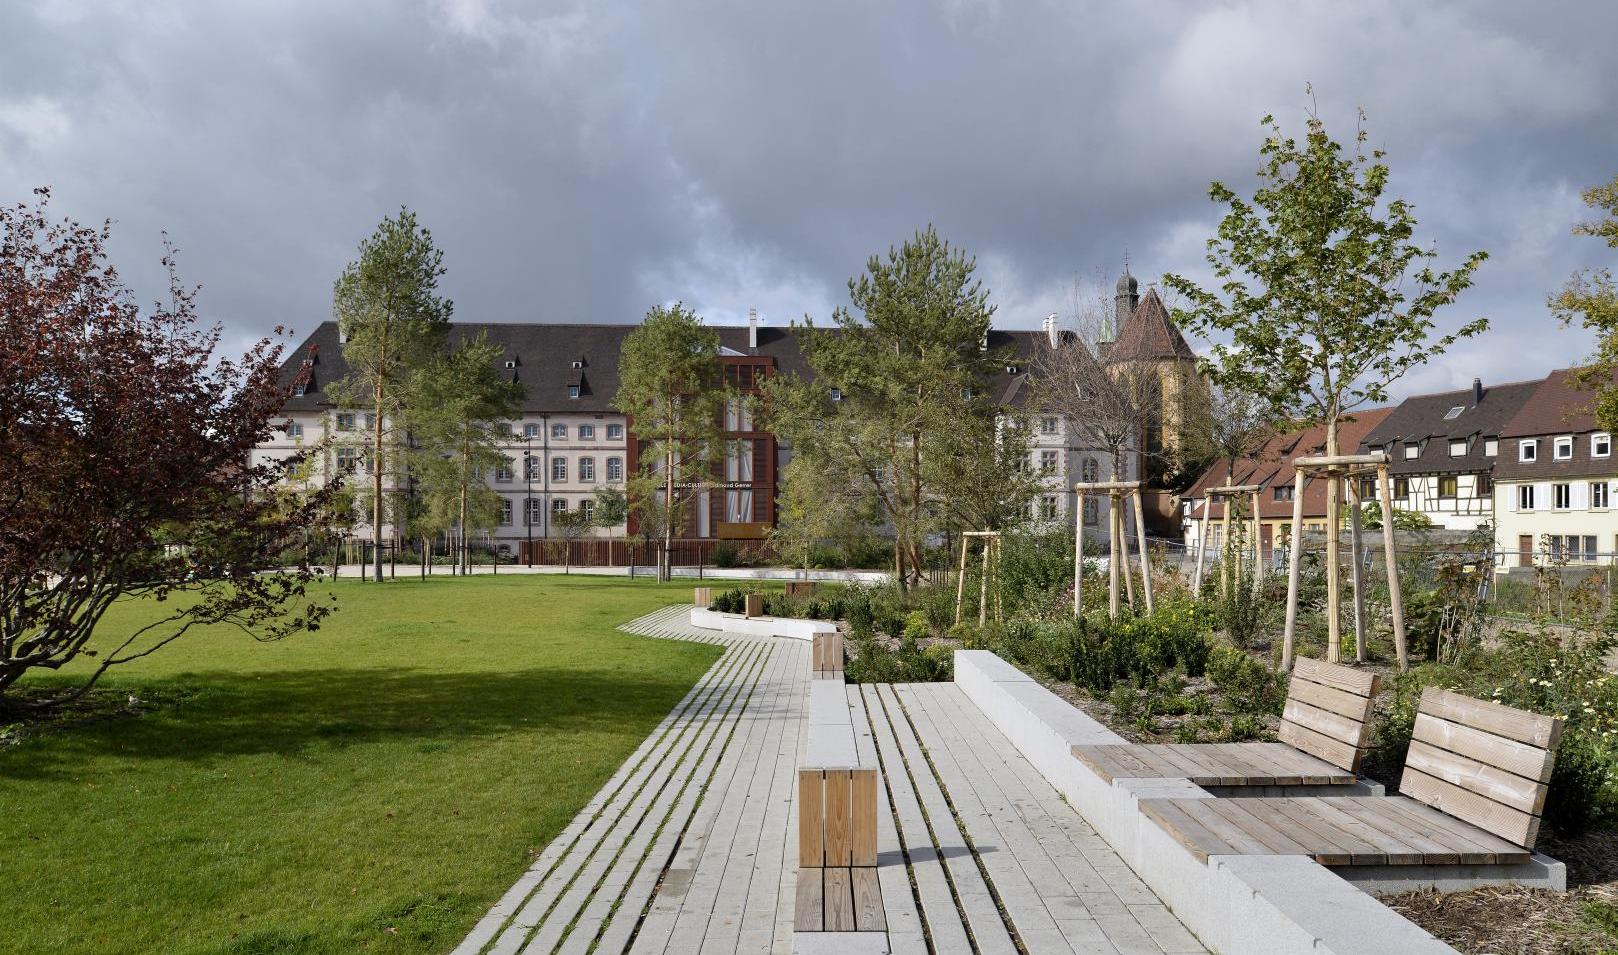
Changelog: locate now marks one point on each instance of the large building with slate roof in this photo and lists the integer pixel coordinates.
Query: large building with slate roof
(571, 440)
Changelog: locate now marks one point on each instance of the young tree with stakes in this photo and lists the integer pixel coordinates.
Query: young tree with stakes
(671, 385)
(393, 322)
(126, 466)
(1324, 299)
(1591, 299)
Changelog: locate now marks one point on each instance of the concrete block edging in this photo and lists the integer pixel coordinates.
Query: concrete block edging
(1236, 905)
(791, 627)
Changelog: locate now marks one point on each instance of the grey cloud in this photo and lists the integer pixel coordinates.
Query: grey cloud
(582, 161)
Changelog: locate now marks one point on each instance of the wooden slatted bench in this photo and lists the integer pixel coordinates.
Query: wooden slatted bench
(1474, 786)
(837, 804)
(1325, 731)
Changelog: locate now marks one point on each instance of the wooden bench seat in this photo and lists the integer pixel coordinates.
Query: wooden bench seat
(839, 899)
(1325, 731)
(1474, 783)
(1333, 830)
(1213, 764)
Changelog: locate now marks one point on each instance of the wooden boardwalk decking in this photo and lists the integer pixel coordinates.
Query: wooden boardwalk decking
(690, 847)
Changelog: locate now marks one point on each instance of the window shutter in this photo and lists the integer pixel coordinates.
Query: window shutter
(1580, 496)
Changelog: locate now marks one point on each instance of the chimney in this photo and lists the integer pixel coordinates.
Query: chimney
(752, 329)
(1051, 334)
(1477, 392)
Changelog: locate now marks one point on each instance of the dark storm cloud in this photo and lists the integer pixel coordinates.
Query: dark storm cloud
(582, 161)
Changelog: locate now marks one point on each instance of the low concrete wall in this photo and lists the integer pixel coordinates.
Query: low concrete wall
(759, 626)
(1236, 905)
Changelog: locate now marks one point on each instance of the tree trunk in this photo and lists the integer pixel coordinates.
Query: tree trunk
(665, 566)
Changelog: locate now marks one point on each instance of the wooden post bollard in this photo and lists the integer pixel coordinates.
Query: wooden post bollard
(754, 605)
(703, 597)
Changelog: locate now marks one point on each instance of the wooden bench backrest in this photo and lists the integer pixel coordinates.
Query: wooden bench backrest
(1328, 712)
(1482, 762)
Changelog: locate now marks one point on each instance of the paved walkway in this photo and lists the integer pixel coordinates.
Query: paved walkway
(688, 847)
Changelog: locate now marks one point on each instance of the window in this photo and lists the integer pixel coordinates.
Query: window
(559, 470)
(535, 513)
(578, 363)
(1561, 496)
(503, 429)
(1525, 497)
(587, 507)
(503, 471)
(505, 512)
(1412, 450)
(1283, 492)
(1589, 547)
(1482, 485)
(1599, 494)
(615, 469)
(1401, 488)
(530, 430)
(1092, 511)
(1047, 425)
(587, 432)
(345, 421)
(1047, 507)
(1528, 450)
(1562, 448)
(1088, 470)
(615, 432)
(1601, 445)
(294, 429)
(1047, 462)
(347, 459)
(1457, 447)
(1454, 412)
(836, 394)
(572, 391)
(558, 505)
(559, 431)
(1449, 486)
(587, 469)
(530, 467)
(1491, 446)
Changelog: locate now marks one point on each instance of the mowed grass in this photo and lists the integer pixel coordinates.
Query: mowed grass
(373, 787)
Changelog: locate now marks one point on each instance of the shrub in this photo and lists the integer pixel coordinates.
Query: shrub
(729, 601)
(724, 554)
(1248, 685)
(1245, 727)
(916, 626)
(875, 662)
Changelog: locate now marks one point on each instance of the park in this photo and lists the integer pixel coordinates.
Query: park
(749, 554)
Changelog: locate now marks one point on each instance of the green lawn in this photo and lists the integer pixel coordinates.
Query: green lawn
(374, 786)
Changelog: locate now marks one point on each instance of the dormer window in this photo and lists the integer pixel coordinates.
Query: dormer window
(572, 391)
(1528, 450)
(511, 363)
(1412, 450)
(1457, 447)
(1012, 369)
(578, 363)
(1601, 445)
(1491, 447)
(837, 394)
(300, 389)
(1562, 449)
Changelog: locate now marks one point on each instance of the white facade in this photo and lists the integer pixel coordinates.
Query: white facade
(1461, 502)
(1062, 456)
(554, 462)
(1564, 520)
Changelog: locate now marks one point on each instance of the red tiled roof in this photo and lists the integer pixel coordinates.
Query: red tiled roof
(1272, 467)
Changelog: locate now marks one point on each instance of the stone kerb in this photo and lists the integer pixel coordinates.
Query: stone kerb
(791, 627)
(1263, 905)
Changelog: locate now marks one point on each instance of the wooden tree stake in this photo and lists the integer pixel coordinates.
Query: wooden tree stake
(1395, 597)
(1145, 558)
(1078, 553)
(1356, 573)
(1294, 555)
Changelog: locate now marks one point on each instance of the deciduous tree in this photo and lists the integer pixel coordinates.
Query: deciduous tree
(393, 322)
(1324, 299)
(126, 464)
(1591, 298)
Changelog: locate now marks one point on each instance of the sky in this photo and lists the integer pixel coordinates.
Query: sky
(583, 161)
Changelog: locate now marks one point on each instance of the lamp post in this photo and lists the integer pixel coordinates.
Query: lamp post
(528, 481)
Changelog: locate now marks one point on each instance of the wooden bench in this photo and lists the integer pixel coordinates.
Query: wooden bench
(1474, 786)
(827, 656)
(1325, 731)
(837, 804)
